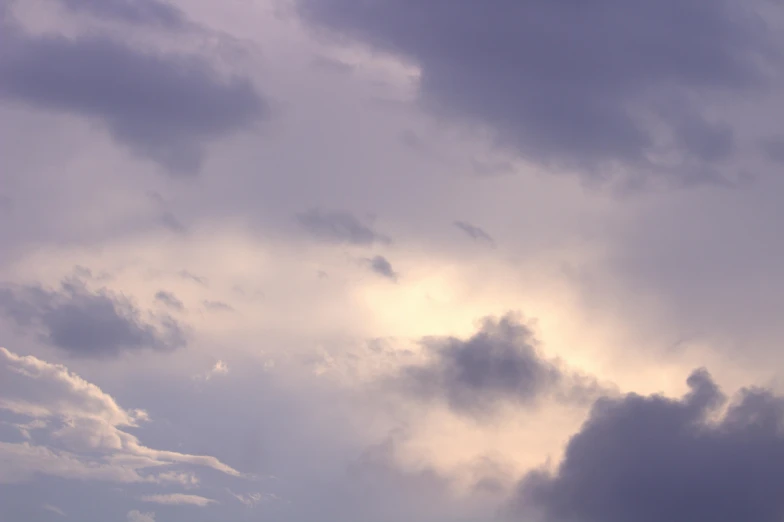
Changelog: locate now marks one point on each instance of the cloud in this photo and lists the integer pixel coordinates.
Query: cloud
(141, 12)
(179, 499)
(474, 232)
(165, 107)
(84, 433)
(339, 227)
(54, 509)
(379, 465)
(574, 86)
(774, 149)
(170, 221)
(169, 299)
(253, 499)
(653, 458)
(500, 363)
(137, 516)
(220, 368)
(218, 306)
(381, 266)
(86, 323)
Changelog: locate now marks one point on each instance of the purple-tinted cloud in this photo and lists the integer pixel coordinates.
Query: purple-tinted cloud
(640, 459)
(571, 84)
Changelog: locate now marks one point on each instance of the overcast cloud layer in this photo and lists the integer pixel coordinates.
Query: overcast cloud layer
(442, 261)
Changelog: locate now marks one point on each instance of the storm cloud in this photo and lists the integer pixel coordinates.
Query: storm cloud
(87, 323)
(574, 85)
(499, 363)
(163, 106)
(640, 459)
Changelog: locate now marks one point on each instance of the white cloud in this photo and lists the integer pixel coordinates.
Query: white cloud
(220, 368)
(253, 499)
(88, 422)
(137, 516)
(179, 498)
(54, 509)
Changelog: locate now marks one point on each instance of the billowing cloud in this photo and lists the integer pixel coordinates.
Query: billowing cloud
(88, 323)
(500, 363)
(653, 458)
(340, 227)
(82, 435)
(327, 388)
(165, 107)
(575, 86)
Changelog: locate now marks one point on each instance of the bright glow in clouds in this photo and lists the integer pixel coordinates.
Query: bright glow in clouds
(308, 260)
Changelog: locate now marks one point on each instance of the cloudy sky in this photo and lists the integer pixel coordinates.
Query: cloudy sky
(385, 260)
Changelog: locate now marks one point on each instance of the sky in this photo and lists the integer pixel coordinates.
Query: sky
(385, 260)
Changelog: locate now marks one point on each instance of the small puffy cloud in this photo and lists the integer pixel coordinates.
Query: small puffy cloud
(138, 516)
(179, 499)
(473, 231)
(171, 222)
(85, 430)
(381, 266)
(88, 323)
(500, 363)
(339, 227)
(220, 369)
(218, 306)
(169, 299)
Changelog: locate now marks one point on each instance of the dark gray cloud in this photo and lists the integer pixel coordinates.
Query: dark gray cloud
(381, 266)
(169, 299)
(498, 363)
(569, 84)
(640, 459)
(165, 107)
(141, 12)
(474, 232)
(86, 323)
(340, 227)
